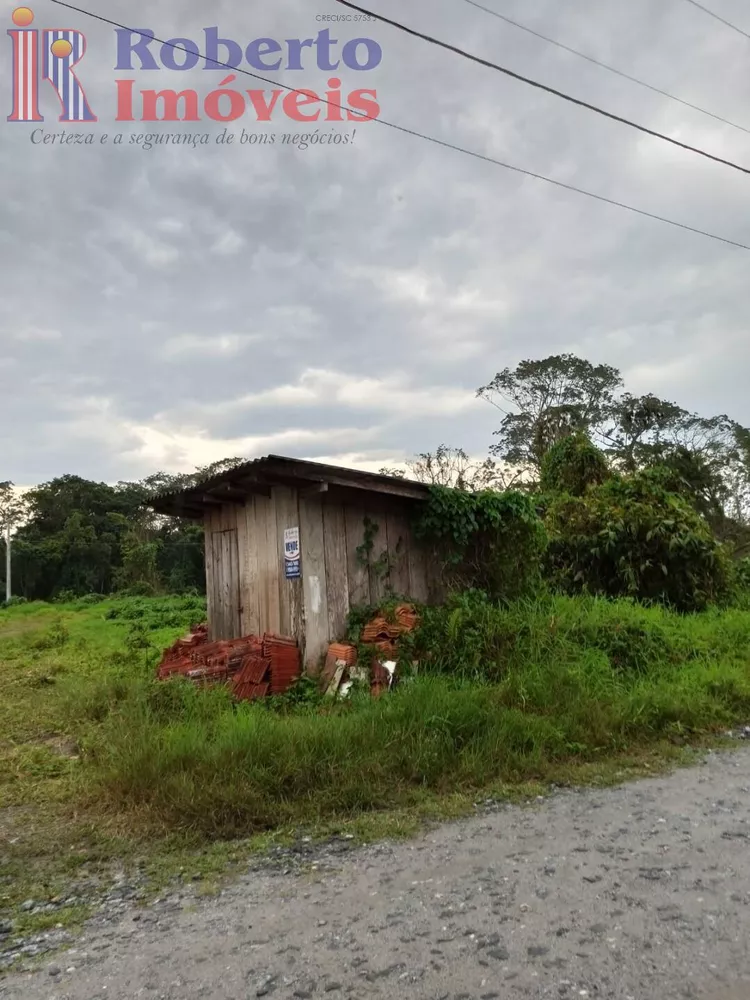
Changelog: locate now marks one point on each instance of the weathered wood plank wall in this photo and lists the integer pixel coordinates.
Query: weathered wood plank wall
(399, 533)
(248, 550)
(351, 555)
(211, 593)
(291, 605)
(312, 542)
(337, 572)
(347, 574)
(268, 564)
(357, 572)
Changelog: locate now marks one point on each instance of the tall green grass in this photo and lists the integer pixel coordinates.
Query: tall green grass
(476, 639)
(503, 694)
(63, 668)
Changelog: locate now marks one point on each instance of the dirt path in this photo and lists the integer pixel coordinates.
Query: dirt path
(638, 892)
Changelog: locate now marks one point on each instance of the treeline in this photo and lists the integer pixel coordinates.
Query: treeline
(76, 537)
(73, 537)
(705, 459)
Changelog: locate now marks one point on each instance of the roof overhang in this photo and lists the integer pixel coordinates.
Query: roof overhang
(257, 478)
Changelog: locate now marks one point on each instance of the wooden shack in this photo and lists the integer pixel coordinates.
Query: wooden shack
(292, 545)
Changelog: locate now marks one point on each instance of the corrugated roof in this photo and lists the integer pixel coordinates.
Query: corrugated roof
(260, 474)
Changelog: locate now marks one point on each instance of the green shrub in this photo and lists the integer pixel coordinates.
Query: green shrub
(65, 596)
(141, 588)
(742, 573)
(304, 693)
(14, 602)
(489, 541)
(54, 637)
(630, 537)
(160, 612)
(475, 638)
(89, 599)
(572, 466)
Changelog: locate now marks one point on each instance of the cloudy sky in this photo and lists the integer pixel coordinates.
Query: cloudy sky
(164, 308)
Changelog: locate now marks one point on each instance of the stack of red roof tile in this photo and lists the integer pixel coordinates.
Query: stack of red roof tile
(384, 634)
(380, 630)
(283, 654)
(407, 617)
(338, 652)
(178, 655)
(254, 667)
(252, 680)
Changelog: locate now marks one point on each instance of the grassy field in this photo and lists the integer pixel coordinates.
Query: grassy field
(101, 765)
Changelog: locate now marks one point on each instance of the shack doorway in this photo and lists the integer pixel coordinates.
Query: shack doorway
(227, 604)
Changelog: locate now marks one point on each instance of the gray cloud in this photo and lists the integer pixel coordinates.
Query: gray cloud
(167, 307)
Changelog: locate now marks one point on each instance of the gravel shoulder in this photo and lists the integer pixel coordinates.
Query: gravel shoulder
(636, 892)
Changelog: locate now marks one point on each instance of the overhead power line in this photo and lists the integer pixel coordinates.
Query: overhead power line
(602, 65)
(541, 86)
(712, 13)
(430, 138)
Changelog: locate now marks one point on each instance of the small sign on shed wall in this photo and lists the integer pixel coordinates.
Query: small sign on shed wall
(292, 555)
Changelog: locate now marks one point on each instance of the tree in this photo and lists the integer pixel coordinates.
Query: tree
(12, 511)
(572, 466)
(559, 396)
(454, 468)
(738, 477)
(712, 457)
(71, 538)
(12, 506)
(82, 536)
(633, 537)
(549, 400)
(640, 429)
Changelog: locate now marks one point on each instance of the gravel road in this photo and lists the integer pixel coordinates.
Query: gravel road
(636, 892)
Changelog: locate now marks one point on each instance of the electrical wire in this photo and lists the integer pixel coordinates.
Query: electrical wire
(429, 138)
(713, 14)
(541, 86)
(602, 65)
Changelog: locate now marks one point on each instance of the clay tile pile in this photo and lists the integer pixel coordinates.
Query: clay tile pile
(283, 654)
(176, 655)
(251, 681)
(341, 661)
(253, 667)
(341, 657)
(384, 634)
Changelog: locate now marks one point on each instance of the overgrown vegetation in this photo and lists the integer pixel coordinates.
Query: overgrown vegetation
(573, 465)
(505, 693)
(474, 638)
(490, 541)
(74, 537)
(631, 537)
(102, 765)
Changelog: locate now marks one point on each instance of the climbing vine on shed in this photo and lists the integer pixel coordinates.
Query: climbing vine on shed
(486, 541)
(380, 567)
